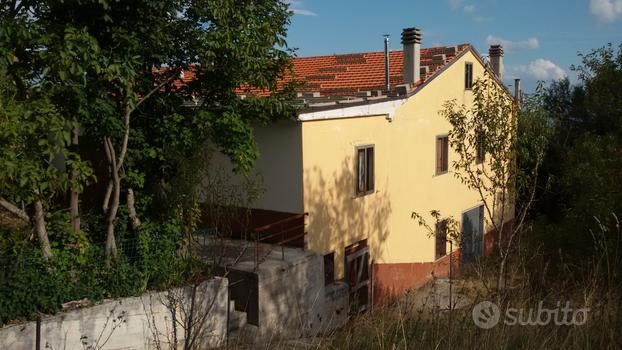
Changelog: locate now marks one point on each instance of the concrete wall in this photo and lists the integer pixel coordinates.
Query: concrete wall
(293, 301)
(277, 173)
(281, 167)
(129, 323)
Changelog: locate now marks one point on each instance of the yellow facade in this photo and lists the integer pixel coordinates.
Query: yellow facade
(405, 179)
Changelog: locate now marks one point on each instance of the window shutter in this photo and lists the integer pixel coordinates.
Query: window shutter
(445, 153)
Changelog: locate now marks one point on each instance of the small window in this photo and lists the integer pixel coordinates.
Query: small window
(329, 268)
(468, 76)
(365, 170)
(441, 239)
(442, 151)
(480, 151)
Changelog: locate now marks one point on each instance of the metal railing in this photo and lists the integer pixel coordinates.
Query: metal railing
(280, 233)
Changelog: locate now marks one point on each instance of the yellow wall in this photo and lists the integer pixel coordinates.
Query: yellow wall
(405, 179)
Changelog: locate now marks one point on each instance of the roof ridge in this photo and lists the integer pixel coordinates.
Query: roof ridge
(380, 51)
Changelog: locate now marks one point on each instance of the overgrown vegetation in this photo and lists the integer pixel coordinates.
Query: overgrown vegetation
(104, 105)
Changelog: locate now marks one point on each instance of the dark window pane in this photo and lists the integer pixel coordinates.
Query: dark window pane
(329, 268)
(442, 148)
(468, 75)
(360, 186)
(439, 157)
(370, 169)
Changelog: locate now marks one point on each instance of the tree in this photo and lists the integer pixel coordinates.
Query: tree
(144, 85)
(583, 157)
(491, 138)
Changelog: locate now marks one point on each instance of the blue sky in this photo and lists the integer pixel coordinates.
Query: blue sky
(541, 38)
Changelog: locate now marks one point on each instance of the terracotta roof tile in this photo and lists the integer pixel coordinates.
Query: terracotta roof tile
(347, 74)
(351, 73)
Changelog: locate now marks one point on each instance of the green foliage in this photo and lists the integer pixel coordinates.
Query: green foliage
(30, 284)
(73, 73)
(579, 207)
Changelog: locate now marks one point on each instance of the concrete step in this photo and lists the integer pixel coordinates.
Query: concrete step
(237, 320)
(244, 335)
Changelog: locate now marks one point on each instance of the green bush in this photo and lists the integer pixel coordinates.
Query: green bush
(30, 284)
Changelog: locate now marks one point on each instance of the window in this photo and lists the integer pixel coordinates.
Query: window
(329, 268)
(480, 151)
(468, 76)
(365, 170)
(442, 145)
(441, 239)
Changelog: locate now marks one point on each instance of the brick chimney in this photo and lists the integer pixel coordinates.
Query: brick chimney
(411, 39)
(496, 60)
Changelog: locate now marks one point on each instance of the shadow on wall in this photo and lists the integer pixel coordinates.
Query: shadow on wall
(338, 217)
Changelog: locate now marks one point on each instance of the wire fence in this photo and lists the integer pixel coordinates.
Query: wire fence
(126, 249)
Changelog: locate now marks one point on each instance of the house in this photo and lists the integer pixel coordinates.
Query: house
(369, 149)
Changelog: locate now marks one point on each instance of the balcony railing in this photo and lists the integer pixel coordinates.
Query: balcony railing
(286, 232)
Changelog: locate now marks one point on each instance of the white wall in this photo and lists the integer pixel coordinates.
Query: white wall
(280, 166)
(128, 323)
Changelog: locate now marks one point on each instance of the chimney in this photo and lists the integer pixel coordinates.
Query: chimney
(496, 60)
(411, 39)
(517, 91)
(387, 67)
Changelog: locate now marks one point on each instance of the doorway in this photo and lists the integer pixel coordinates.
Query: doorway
(357, 276)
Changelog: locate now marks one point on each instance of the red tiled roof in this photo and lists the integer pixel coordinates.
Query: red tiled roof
(351, 73)
(342, 75)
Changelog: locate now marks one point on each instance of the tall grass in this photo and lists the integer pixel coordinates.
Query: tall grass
(418, 322)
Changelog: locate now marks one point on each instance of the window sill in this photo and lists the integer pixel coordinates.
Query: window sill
(441, 173)
(364, 194)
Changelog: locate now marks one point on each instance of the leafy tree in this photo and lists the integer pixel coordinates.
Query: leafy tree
(143, 85)
(583, 158)
(491, 137)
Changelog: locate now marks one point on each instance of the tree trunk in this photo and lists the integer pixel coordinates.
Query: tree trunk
(41, 230)
(75, 195)
(13, 209)
(106, 203)
(131, 208)
(111, 246)
(501, 276)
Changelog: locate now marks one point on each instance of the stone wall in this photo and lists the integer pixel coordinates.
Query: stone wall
(151, 321)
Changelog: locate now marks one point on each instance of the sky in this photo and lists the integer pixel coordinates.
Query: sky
(541, 38)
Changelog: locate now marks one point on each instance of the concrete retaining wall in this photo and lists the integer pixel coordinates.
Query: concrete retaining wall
(151, 321)
(293, 300)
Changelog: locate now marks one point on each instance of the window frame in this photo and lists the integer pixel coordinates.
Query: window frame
(369, 170)
(468, 76)
(439, 169)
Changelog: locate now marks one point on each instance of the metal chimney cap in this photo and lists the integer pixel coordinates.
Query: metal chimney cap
(411, 36)
(495, 50)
